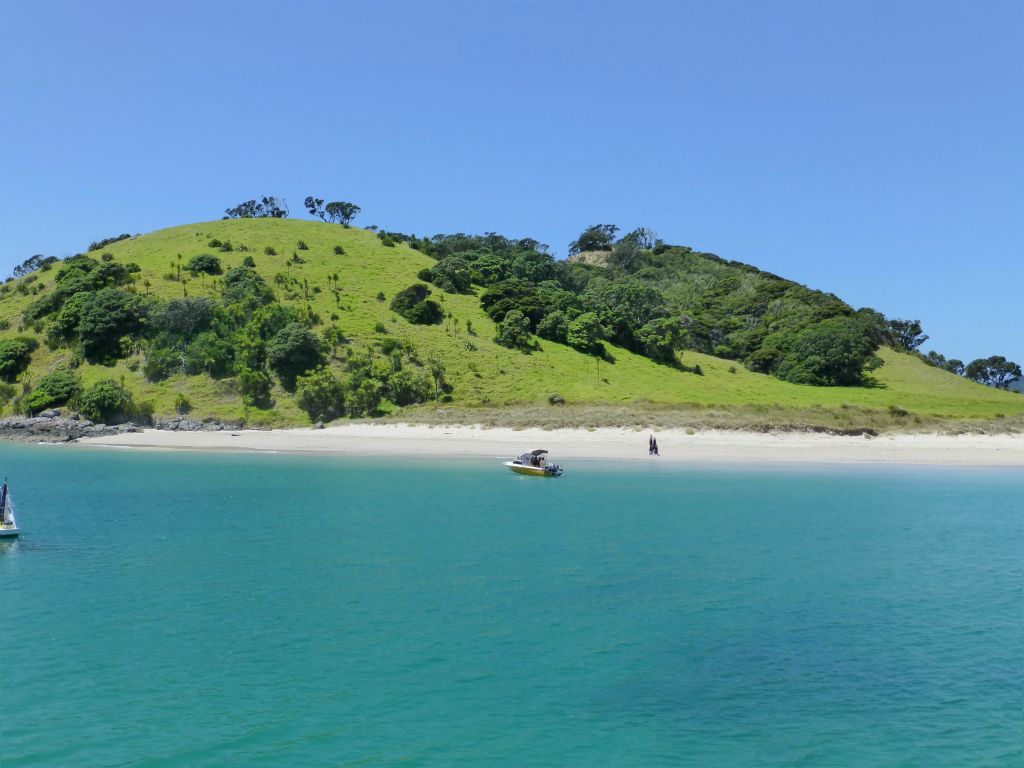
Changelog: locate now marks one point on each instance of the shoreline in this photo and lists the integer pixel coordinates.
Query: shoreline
(676, 445)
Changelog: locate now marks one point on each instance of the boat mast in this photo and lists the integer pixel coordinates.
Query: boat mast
(5, 516)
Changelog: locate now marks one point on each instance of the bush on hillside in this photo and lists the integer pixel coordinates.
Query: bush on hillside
(255, 385)
(15, 355)
(106, 401)
(412, 304)
(245, 287)
(161, 363)
(320, 394)
(53, 389)
(451, 274)
(408, 387)
(514, 331)
(585, 333)
(292, 351)
(210, 354)
(204, 263)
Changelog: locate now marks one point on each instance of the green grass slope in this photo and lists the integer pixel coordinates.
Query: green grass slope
(482, 374)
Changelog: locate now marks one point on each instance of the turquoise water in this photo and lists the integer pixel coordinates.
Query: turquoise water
(212, 610)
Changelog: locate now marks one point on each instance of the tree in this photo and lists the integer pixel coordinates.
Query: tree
(514, 331)
(53, 389)
(104, 318)
(598, 237)
(315, 206)
(342, 212)
(182, 319)
(660, 338)
(408, 387)
(15, 355)
(412, 304)
(437, 371)
(105, 401)
(204, 263)
(265, 208)
(209, 353)
(831, 353)
(320, 394)
(554, 326)
(585, 333)
(906, 334)
(294, 350)
(362, 396)
(32, 263)
(995, 371)
(451, 274)
(246, 287)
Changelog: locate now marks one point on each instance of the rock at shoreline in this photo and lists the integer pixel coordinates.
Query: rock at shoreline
(51, 427)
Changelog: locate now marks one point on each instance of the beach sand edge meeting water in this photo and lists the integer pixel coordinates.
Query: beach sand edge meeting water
(676, 445)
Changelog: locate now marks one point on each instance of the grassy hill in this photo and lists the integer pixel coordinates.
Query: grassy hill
(482, 375)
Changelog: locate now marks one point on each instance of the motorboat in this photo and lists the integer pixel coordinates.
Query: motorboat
(8, 524)
(534, 463)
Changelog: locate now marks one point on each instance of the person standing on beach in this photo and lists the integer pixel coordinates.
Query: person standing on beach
(654, 446)
(650, 445)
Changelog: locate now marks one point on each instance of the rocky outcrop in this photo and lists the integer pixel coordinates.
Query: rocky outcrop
(51, 427)
(185, 424)
(56, 429)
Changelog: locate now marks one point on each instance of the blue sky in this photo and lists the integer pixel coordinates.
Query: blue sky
(871, 149)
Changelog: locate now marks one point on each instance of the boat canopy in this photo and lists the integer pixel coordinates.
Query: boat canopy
(538, 452)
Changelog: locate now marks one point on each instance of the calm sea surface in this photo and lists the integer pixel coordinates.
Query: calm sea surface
(167, 609)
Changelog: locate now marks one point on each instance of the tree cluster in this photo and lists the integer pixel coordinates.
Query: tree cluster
(264, 208)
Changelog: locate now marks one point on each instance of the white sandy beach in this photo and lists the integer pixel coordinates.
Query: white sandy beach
(721, 447)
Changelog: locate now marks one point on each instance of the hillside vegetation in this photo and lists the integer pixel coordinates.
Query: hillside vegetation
(308, 330)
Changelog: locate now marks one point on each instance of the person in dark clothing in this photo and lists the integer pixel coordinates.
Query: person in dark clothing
(654, 447)
(650, 445)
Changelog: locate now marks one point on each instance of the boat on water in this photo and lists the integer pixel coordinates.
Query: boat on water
(534, 463)
(8, 524)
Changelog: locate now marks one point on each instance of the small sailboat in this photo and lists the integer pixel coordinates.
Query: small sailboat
(534, 463)
(8, 524)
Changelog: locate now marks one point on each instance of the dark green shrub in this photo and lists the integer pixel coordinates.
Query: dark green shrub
(339, 250)
(292, 351)
(451, 274)
(15, 355)
(387, 241)
(269, 251)
(204, 263)
(105, 401)
(408, 387)
(182, 404)
(254, 384)
(320, 394)
(214, 243)
(249, 262)
(554, 327)
(104, 318)
(209, 353)
(380, 296)
(53, 389)
(425, 275)
(412, 304)
(362, 396)
(514, 331)
(245, 286)
(301, 245)
(107, 256)
(161, 363)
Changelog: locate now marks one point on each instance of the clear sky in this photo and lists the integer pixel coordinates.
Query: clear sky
(871, 149)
